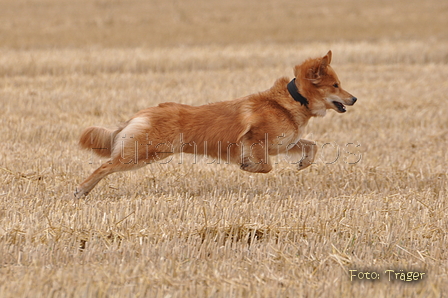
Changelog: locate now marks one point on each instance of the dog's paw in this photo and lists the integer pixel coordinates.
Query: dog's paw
(252, 167)
(304, 163)
(79, 193)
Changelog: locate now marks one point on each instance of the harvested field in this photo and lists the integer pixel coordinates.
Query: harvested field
(375, 201)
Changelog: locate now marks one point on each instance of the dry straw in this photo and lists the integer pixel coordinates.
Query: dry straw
(374, 201)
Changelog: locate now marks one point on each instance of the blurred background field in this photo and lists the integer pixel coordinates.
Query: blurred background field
(374, 201)
(136, 23)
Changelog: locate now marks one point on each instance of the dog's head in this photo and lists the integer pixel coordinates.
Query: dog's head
(319, 83)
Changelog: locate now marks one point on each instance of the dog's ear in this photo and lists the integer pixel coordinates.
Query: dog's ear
(326, 60)
(313, 76)
(328, 57)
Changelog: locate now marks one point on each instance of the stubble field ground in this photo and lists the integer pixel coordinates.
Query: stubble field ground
(375, 200)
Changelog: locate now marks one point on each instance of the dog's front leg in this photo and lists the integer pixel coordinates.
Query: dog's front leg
(255, 157)
(307, 150)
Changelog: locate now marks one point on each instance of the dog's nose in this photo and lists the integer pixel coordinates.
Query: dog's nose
(354, 99)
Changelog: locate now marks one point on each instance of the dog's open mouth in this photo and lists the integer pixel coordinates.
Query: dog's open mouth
(341, 108)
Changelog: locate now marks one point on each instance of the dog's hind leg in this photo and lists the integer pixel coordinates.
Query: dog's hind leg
(105, 169)
(87, 185)
(126, 155)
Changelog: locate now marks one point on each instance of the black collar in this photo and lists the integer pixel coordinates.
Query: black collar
(292, 88)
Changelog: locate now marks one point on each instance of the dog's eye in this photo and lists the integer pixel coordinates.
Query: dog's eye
(335, 85)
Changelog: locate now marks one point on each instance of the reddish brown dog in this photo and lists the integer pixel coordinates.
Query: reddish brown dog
(243, 131)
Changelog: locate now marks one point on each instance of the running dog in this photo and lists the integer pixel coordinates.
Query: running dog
(243, 131)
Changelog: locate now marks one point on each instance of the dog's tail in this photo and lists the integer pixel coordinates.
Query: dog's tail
(98, 139)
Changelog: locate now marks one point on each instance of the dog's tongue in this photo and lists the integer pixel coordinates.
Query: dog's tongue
(340, 106)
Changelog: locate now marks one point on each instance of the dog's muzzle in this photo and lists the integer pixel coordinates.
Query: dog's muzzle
(341, 107)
